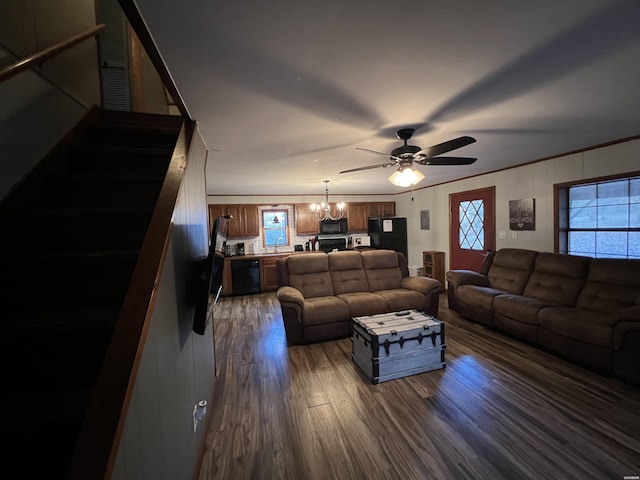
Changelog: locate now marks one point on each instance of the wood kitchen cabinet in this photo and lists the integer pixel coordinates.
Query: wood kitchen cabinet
(226, 278)
(245, 222)
(433, 264)
(268, 273)
(382, 209)
(306, 224)
(358, 215)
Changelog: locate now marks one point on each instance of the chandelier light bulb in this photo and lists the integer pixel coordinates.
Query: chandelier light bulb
(323, 210)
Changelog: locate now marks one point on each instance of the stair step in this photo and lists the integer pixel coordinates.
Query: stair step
(39, 432)
(111, 159)
(77, 230)
(79, 190)
(152, 121)
(130, 136)
(54, 351)
(39, 283)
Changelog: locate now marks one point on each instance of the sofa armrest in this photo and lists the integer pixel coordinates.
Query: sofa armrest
(466, 277)
(626, 345)
(423, 285)
(625, 320)
(287, 294)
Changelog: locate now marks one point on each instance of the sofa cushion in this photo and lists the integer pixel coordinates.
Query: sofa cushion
(558, 278)
(364, 303)
(382, 269)
(518, 307)
(511, 269)
(586, 326)
(319, 310)
(612, 284)
(347, 273)
(309, 273)
(476, 296)
(404, 299)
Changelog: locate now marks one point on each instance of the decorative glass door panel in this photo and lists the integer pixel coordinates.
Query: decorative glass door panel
(472, 228)
(471, 220)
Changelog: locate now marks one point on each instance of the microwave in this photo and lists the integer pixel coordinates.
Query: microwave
(332, 227)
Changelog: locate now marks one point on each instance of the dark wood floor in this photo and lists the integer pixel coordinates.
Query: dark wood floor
(499, 410)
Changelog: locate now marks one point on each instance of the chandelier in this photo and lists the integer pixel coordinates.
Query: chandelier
(322, 211)
(405, 176)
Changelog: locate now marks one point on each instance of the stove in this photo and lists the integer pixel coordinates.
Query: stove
(328, 244)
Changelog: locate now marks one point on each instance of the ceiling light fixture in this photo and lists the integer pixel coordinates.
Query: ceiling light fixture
(405, 176)
(322, 211)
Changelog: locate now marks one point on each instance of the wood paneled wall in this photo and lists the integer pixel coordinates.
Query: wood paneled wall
(177, 368)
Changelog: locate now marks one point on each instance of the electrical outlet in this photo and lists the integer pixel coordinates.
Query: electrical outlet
(502, 234)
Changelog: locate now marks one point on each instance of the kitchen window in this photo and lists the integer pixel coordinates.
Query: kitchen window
(599, 218)
(275, 228)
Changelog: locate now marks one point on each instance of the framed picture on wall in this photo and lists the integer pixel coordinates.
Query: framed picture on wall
(522, 214)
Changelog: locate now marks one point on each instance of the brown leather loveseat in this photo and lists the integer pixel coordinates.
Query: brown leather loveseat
(582, 308)
(320, 293)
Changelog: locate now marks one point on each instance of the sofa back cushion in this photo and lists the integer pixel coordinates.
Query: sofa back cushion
(612, 284)
(309, 273)
(382, 269)
(347, 273)
(511, 268)
(558, 278)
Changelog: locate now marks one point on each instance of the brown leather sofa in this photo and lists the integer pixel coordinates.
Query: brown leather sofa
(320, 293)
(581, 308)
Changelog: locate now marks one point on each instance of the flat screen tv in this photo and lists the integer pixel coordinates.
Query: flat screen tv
(210, 280)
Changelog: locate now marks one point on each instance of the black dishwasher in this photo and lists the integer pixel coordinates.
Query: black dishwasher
(245, 276)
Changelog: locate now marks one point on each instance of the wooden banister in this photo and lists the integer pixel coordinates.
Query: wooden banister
(138, 24)
(48, 53)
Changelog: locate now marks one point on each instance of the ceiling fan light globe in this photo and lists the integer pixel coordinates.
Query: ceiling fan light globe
(405, 177)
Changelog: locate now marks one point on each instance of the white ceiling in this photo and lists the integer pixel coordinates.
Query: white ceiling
(285, 90)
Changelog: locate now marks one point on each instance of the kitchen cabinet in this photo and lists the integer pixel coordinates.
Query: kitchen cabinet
(433, 265)
(245, 222)
(268, 272)
(357, 214)
(382, 209)
(215, 211)
(226, 277)
(306, 224)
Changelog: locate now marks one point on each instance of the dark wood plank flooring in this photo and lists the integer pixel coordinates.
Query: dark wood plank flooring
(501, 409)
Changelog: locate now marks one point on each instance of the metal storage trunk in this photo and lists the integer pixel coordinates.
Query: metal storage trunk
(397, 344)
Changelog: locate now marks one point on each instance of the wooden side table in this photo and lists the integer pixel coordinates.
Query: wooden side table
(433, 265)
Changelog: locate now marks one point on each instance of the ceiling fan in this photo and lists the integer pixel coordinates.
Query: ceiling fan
(405, 155)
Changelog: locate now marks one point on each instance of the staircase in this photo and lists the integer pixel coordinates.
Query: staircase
(69, 240)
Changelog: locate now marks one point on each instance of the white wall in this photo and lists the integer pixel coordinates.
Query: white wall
(177, 368)
(535, 180)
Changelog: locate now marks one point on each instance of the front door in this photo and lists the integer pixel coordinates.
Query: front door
(472, 228)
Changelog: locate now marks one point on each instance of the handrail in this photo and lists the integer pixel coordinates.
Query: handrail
(48, 53)
(139, 26)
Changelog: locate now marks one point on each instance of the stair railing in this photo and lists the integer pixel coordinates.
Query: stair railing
(37, 59)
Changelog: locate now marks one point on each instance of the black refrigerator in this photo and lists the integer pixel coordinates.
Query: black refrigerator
(389, 233)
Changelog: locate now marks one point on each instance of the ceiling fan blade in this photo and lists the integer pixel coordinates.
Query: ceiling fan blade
(446, 161)
(372, 151)
(445, 147)
(368, 167)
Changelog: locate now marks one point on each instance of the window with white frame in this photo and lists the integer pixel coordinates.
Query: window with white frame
(275, 228)
(600, 218)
